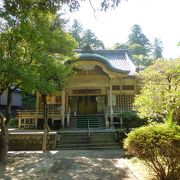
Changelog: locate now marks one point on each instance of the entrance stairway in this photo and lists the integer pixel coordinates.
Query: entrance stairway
(83, 140)
(82, 121)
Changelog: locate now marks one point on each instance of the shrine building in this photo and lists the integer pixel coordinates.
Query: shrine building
(103, 87)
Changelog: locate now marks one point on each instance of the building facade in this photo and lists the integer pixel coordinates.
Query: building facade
(103, 87)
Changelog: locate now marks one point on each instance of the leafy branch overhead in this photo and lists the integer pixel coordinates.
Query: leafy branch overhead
(55, 5)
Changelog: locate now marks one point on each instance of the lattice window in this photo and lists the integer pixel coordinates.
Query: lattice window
(128, 87)
(124, 102)
(115, 87)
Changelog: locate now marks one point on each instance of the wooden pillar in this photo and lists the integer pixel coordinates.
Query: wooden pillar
(135, 86)
(63, 108)
(19, 123)
(67, 107)
(106, 118)
(120, 95)
(37, 108)
(110, 103)
(68, 117)
(67, 100)
(52, 121)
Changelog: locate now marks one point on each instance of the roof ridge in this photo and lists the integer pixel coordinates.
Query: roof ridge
(119, 60)
(97, 57)
(103, 50)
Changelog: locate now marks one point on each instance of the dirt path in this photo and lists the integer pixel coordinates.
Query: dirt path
(67, 165)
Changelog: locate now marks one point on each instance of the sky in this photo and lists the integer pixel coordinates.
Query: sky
(157, 18)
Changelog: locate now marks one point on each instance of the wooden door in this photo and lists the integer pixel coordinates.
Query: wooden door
(87, 105)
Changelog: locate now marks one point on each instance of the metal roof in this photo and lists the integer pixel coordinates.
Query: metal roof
(119, 60)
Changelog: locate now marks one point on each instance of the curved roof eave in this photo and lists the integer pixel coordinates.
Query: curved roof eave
(96, 57)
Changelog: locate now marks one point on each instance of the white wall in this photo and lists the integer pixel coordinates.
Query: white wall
(16, 100)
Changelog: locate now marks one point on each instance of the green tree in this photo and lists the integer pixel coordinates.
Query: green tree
(121, 46)
(51, 77)
(28, 100)
(85, 38)
(143, 52)
(55, 5)
(76, 32)
(90, 39)
(140, 47)
(157, 48)
(160, 90)
(28, 37)
(136, 37)
(24, 39)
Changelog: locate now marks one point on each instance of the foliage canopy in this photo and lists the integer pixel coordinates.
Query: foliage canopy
(160, 90)
(144, 53)
(85, 38)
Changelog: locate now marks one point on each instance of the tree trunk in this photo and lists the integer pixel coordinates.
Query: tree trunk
(8, 107)
(4, 138)
(46, 126)
(4, 135)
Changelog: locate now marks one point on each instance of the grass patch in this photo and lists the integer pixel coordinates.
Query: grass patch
(140, 170)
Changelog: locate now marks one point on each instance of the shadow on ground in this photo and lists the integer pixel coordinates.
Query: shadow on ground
(67, 165)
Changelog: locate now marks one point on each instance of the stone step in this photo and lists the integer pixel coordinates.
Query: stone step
(62, 137)
(88, 146)
(91, 137)
(82, 121)
(86, 138)
(86, 141)
(84, 125)
(75, 120)
(93, 134)
(81, 140)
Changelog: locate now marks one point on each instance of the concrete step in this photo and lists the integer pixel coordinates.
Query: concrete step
(96, 140)
(88, 146)
(86, 141)
(85, 138)
(82, 121)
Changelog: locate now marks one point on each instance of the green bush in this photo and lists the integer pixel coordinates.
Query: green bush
(132, 120)
(158, 146)
(120, 136)
(13, 123)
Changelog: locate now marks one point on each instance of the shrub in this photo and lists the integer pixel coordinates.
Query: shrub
(158, 146)
(13, 123)
(132, 120)
(120, 136)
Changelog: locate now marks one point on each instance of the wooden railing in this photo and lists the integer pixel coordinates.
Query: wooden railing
(88, 128)
(116, 111)
(36, 114)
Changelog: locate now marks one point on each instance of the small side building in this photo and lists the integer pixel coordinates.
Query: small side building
(16, 102)
(103, 87)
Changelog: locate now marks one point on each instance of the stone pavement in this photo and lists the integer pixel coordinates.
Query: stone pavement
(67, 165)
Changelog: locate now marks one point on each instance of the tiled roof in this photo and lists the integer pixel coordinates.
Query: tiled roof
(119, 60)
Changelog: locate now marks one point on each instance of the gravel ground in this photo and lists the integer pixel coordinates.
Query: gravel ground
(67, 165)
